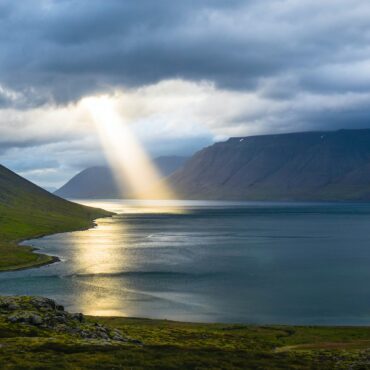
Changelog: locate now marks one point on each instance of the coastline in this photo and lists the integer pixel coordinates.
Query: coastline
(155, 343)
(42, 258)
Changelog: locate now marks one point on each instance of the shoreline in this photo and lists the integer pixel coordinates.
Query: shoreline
(50, 259)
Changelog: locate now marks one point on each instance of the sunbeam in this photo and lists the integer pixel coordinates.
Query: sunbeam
(132, 166)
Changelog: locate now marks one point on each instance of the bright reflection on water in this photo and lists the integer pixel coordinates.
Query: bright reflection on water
(213, 261)
(151, 206)
(98, 251)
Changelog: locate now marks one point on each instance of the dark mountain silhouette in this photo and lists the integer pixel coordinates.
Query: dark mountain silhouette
(299, 166)
(99, 182)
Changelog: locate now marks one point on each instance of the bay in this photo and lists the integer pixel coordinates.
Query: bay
(247, 262)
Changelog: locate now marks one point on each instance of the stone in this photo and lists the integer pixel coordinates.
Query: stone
(136, 341)
(44, 303)
(36, 320)
(45, 314)
(12, 307)
(104, 336)
(78, 316)
(13, 319)
(117, 338)
(26, 317)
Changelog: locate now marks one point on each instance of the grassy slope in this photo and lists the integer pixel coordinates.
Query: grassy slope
(27, 211)
(173, 345)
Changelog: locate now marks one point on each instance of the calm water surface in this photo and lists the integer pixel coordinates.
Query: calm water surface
(212, 261)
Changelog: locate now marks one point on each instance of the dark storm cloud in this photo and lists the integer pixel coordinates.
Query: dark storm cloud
(66, 49)
(62, 50)
(270, 66)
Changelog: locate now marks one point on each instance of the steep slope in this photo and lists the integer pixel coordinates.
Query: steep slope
(93, 182)
(298, 166)
(99, 182)
(28, 211)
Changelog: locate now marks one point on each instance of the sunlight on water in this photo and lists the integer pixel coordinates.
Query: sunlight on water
(95, 297)
(97, 254)
(220, 261)
(96, 251)
(138, 206)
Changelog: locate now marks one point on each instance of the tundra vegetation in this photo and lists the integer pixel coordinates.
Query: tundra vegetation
(37, 333)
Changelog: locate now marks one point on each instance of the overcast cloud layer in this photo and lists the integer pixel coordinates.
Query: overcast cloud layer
(185, 73)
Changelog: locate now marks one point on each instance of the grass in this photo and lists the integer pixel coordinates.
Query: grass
(27, 211)
(174, 345)
(26, 223)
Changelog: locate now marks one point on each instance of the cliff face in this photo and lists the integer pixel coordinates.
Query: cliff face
(298, 166)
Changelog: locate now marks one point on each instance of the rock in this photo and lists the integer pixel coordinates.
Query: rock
(45, 314)
(26, 317)
(116, 335)
(104, 336)
(8, 304)
(13, 319)
(61, 319)
(36, 320)
(13, 307)
(135, 341)
(117, 338)
(78, 316)
(44, 303)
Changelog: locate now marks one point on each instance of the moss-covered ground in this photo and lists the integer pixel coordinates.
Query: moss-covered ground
(174, 345)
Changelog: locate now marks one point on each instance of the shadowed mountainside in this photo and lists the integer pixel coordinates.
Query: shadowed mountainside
(298, 166)
(99, 182)
(27, 211)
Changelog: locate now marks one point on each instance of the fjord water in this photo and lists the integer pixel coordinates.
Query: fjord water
(212, 261)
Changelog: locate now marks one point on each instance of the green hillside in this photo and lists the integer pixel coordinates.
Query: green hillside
(37, 333)
(27, 211)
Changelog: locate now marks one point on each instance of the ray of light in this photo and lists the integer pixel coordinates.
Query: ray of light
(131, 164)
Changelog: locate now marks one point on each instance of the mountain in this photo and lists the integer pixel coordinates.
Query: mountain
(99, 182)
(298, 166)
(27, 211)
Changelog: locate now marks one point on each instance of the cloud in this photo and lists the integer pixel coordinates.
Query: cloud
(63, 50)
(183, 73)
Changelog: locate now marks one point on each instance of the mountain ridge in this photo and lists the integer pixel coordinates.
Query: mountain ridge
(99, 182)
(319, 165)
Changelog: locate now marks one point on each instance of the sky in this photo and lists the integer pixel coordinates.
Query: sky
(183, 74)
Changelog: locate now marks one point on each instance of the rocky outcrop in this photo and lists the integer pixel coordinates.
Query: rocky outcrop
(45, 314)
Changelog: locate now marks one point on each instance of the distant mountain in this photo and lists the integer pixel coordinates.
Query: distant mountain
(99, 182)
(28, 210)
(298, 166)
(50, 189)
